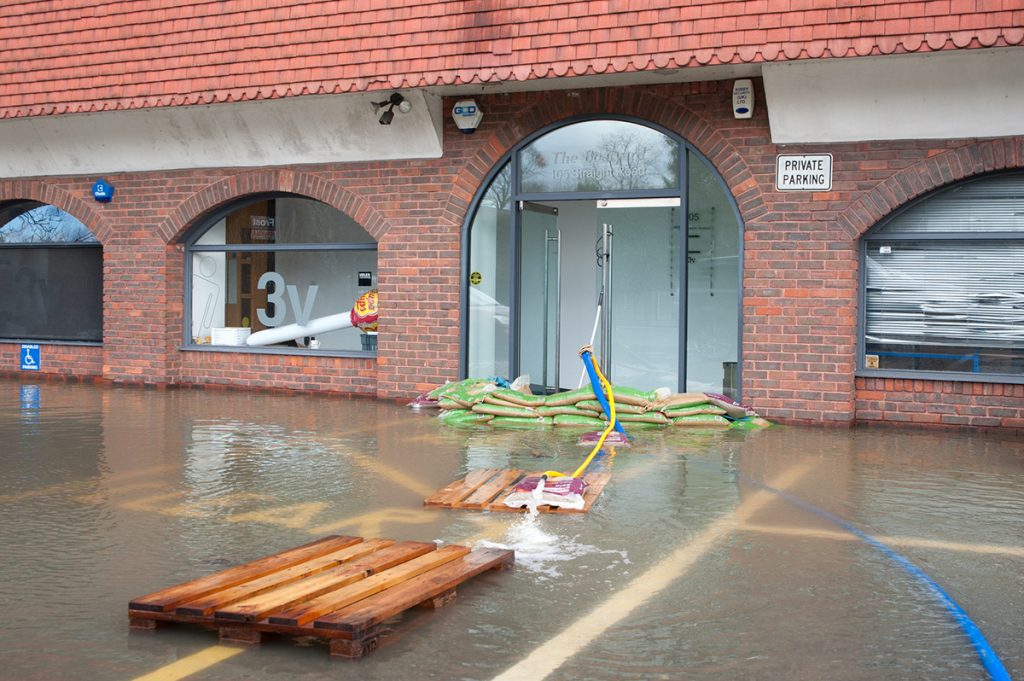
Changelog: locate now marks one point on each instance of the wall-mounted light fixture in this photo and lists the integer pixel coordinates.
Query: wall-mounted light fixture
(388, 105)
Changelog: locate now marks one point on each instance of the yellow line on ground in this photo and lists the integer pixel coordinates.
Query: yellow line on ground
(73, 486)
(394, 475)
(191, 664)
(372, 523)
(911, 542)
(567, 644)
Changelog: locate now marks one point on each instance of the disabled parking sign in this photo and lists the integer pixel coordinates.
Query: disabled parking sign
(30, 358)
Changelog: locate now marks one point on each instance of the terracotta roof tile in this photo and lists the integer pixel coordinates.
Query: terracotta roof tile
(64, 56)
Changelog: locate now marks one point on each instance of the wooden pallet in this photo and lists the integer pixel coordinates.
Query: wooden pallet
(336, 588)
(486, 489)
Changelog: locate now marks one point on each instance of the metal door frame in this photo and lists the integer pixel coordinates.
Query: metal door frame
(510, 160)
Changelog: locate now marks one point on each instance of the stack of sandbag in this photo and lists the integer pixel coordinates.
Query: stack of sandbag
(479, 401)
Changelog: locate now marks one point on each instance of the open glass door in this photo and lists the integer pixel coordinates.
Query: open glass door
(539, 295)
(639, 262)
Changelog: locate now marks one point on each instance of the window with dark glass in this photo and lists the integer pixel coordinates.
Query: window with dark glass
(944, 283)
(280, 272)
(51, 272)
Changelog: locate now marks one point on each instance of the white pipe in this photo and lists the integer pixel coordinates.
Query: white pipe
(314, 327)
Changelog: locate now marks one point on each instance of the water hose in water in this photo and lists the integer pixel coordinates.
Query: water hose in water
(600, 385)
(558, 489)
(987, 656)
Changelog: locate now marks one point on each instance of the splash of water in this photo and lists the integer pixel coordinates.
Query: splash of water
(541, 552)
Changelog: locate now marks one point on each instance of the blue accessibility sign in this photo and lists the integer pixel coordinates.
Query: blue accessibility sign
(30, 358)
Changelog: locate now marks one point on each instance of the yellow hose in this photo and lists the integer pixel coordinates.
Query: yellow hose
(611, 425)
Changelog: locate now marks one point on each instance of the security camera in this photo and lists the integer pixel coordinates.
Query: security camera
(467, 115)
(389, 104)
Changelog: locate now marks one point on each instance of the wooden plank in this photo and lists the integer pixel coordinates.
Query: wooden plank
(460, 489)
(218, 600)
(171, 597)
(595, 485)
(486, 492)
(363, 615)
(386, 579)
(258, 607)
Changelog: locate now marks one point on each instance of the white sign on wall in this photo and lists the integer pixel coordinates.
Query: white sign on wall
(803, 172)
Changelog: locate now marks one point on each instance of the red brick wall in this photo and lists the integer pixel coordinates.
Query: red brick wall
(286, 372)
(77, 362)
(944, 403)
(799, 283)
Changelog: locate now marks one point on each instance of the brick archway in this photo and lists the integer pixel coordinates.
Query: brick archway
(89, 214)
(262, 181)
(927, 175)
(671, 115)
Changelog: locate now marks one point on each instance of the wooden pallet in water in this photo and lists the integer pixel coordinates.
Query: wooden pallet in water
(486, 489)
(337, 588)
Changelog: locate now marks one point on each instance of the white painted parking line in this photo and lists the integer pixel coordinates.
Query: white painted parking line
(584, 631)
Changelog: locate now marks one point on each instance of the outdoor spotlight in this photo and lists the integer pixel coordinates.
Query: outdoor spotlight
(389, 104)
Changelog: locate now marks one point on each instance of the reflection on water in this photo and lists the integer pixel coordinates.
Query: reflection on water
(107, 494)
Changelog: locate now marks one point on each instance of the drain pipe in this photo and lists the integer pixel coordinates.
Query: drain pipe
(988, 657)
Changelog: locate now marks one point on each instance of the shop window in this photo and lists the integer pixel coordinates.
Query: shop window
(51, 273)
(944, 285)
(281, 272)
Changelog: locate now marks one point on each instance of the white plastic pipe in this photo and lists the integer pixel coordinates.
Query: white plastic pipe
(314, 327)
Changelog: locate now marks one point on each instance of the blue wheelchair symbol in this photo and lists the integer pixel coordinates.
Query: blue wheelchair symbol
(30, 358)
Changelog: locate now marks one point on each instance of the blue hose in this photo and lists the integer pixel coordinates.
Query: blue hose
(988, 657)
(595, 383)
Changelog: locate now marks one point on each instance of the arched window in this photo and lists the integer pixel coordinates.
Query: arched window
(943, 285)
(51, 273)
(280, 273)
(609, 231)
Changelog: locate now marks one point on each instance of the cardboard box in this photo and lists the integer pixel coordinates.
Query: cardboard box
(229, 335)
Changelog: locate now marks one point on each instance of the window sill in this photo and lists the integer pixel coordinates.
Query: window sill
(36, 341)
(301, 352)
(951, 376)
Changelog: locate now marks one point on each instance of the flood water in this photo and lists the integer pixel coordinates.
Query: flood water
(710, 555)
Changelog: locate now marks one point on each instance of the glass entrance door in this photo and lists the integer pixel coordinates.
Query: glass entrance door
(639, 263)
(614, 207)
(539, 329)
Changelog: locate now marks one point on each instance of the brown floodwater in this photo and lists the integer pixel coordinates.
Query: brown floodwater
(710, 555)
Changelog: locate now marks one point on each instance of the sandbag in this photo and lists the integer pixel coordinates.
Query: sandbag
(655, 417)
(594, 405)
(452, 386)
(491, 399)
(445, 403)
(642, 425)
(567, 410)
(731, 407)
(569, 397)
(462, 417)
(472, 394)
(702, 421)
(707, 408)
(498, 410)
(518, 397)
(680, 400)
(640, 398)
(519, 422)
(574, 421)
(751, 422)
